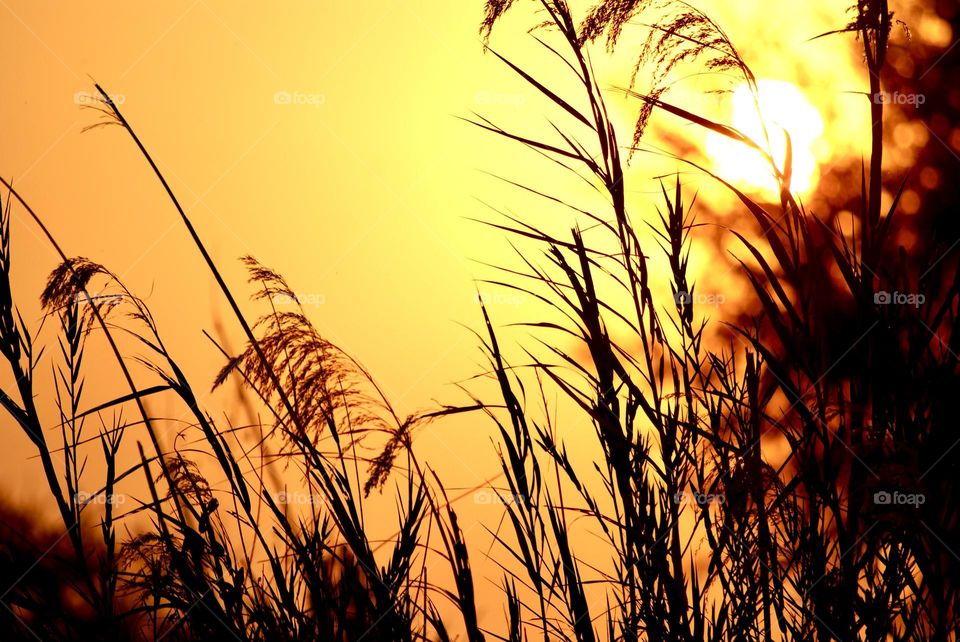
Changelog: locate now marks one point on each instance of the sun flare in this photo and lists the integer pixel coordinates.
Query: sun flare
(782, 107)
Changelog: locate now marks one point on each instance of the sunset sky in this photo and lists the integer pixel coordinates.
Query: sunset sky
(332, 142)
(326, 140)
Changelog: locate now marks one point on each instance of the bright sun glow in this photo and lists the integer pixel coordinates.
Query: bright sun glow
(784, 107)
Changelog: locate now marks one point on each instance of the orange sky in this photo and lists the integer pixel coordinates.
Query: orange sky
(322, 138)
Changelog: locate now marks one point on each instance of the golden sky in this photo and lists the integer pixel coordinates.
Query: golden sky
(323, 138)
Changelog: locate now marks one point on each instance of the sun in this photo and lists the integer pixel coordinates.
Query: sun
(783, 106)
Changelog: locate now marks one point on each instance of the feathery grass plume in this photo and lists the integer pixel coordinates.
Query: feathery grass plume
(147, 576)
(188, 480)
(69, 283)
(494, 10)
(328, 389)
(678, 33)
(103, 105)
(318, 378)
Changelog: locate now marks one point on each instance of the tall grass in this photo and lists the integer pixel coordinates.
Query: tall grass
(804, 546)
(686, 527)
(243, 561)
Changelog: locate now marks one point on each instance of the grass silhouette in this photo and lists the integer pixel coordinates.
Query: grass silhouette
(686, 528)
